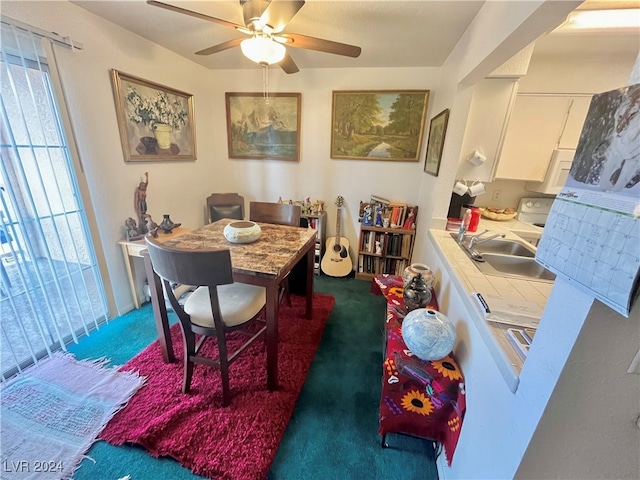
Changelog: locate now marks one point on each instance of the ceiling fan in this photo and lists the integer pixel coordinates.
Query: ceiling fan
(265, 21)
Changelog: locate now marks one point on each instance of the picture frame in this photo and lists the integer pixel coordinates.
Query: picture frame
(435, 143)
(155, 122)
(383, 125)
(263, 128)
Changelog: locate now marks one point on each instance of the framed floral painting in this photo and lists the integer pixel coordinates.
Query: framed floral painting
(155, 122)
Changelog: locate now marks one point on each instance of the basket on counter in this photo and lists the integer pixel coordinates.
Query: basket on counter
(498, 216)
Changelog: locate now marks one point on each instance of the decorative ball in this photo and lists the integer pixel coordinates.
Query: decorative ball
(430, 335)
(242, 232)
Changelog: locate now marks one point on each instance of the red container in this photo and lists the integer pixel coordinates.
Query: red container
(475, 220)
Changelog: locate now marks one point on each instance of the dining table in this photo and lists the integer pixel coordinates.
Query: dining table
(265, 262)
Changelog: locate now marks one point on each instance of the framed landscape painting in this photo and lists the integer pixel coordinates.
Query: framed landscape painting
(378, 125)
(435, 145)
(263, 128)
(155, 122)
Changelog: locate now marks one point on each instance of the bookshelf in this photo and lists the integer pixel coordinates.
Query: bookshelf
(319, 223)
(392, 255)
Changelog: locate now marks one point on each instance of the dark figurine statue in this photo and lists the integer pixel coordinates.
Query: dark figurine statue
(152, 227)
(132, 229)
(140, 202)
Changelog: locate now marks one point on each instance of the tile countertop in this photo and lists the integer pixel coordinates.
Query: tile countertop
(468, 279)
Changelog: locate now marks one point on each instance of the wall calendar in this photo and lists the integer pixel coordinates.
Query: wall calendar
(592, 234)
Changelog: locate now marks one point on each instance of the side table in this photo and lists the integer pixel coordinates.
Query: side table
(419, 398)
(133, 249)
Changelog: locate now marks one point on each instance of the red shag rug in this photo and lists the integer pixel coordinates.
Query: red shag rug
(238, 442)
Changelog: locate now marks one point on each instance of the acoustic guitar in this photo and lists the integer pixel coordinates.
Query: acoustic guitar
(336, 261)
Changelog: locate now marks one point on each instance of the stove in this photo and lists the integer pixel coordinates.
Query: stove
(534, 211)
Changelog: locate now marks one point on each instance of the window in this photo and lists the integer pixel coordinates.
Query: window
(51, 291)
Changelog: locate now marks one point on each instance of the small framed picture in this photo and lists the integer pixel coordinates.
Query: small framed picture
(155, 122)
(435, 144)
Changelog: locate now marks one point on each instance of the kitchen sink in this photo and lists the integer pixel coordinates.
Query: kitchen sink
(506, 258)
(514, 265)
(506, 247)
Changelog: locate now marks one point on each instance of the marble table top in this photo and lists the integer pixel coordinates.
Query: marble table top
(272, 253)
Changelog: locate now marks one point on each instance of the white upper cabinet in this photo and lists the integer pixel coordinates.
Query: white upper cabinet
(539, 124)
(486, 126)
(575, 120)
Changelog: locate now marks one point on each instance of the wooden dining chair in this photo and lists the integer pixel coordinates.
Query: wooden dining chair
(278, 213)
(281, 214)
(225, 205)
(217, 307)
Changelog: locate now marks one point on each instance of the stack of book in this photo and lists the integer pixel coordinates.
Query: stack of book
(398, 214)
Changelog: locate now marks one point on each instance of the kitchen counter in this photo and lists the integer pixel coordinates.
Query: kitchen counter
(466, 278)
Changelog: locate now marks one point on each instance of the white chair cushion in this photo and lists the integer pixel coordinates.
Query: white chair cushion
(239, 303)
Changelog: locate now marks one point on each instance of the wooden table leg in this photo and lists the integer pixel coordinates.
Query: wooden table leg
(159, 310)
(310, 275)
(272, 335)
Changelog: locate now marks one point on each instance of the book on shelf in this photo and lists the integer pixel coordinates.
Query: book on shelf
(398, 210)
(375, 199)
(406, 245)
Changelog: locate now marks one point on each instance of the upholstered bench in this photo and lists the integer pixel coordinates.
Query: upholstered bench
(421, 399)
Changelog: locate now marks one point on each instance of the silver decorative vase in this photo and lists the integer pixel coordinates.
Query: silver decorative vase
(167, 225)
(417, 293)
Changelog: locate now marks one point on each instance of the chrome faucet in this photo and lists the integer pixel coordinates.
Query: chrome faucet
(475, 239)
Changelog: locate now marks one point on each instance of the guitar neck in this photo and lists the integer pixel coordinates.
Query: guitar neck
(338, 213)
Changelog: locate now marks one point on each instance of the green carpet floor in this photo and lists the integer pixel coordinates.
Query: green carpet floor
(333, 432)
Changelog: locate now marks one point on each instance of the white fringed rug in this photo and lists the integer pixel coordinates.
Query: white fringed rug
(53, 412)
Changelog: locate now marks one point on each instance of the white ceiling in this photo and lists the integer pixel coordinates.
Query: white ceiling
(417, 33)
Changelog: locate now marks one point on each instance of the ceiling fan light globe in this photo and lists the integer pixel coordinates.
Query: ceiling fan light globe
(263, 50)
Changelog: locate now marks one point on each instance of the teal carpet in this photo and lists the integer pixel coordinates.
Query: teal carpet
(332, 433)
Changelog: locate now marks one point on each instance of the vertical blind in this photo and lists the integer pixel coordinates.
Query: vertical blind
(51, 291)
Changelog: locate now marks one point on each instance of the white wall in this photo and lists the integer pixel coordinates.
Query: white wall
(317, 175)
(588, 429)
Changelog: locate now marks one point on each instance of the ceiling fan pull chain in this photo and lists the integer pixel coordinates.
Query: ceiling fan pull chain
(265, 82)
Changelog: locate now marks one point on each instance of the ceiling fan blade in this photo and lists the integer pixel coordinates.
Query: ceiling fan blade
(195, 14)
(220, 47)
(321, 45)
(288, 65)
(279, 13)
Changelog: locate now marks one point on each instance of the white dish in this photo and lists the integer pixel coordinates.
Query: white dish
(242, 232)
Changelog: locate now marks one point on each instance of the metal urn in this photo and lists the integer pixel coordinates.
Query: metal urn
(417, 293)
